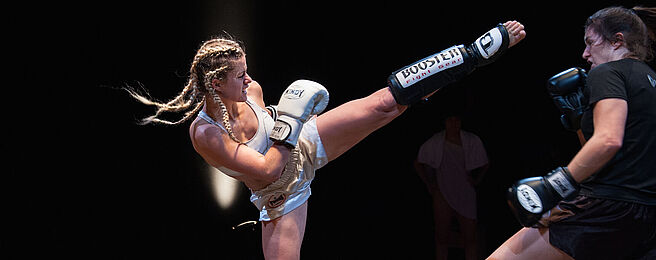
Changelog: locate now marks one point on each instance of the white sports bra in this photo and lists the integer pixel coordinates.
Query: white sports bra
(259, 142)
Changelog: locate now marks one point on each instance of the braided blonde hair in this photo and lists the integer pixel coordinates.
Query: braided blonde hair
(212, 61)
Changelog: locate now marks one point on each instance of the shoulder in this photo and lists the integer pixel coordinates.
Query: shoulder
(439, 136)
(608, 75)
(255, 93)
(603, 69)
(471, 137)
(618, 68)
(255, 88)
(469, 134)
(206, 136)
(434, 139)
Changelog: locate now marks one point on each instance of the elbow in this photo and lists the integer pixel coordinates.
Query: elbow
(615, 144)
(271, 174)
(612, 144)
(268, 174)
(274, 163)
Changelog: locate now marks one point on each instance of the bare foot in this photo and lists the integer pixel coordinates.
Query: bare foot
(515, 31)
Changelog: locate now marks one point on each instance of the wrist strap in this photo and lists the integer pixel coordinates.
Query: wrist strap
(283, 143)
(561, 180)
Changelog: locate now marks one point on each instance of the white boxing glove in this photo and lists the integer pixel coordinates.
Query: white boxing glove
(300, 101)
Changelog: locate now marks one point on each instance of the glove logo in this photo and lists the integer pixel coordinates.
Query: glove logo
(291, 93)
(489, 43)
(560, 183)
(446, 59)
(281, 131)
(529, 199)
(486, 41)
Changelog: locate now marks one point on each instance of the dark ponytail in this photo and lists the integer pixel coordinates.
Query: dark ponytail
(648, 16)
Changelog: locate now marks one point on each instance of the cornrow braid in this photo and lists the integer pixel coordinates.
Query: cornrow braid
(216, 52)
(224, 113)
(212, 61)
(211, 55)
(215, 74)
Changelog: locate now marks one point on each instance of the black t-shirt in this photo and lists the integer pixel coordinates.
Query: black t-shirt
(631, 173)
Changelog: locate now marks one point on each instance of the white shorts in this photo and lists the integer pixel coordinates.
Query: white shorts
(293, 188)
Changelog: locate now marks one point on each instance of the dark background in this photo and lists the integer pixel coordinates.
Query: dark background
(82, 180)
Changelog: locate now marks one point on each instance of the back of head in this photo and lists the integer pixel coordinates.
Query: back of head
(635, 24)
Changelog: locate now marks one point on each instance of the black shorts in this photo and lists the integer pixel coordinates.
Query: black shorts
(593, 228)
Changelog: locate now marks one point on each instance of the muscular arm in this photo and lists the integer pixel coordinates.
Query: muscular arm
(609, 116)
(219, 150)
(529, 198)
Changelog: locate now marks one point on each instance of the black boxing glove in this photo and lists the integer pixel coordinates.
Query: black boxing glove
(412, 83)
(529, 198)
(566, 90)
